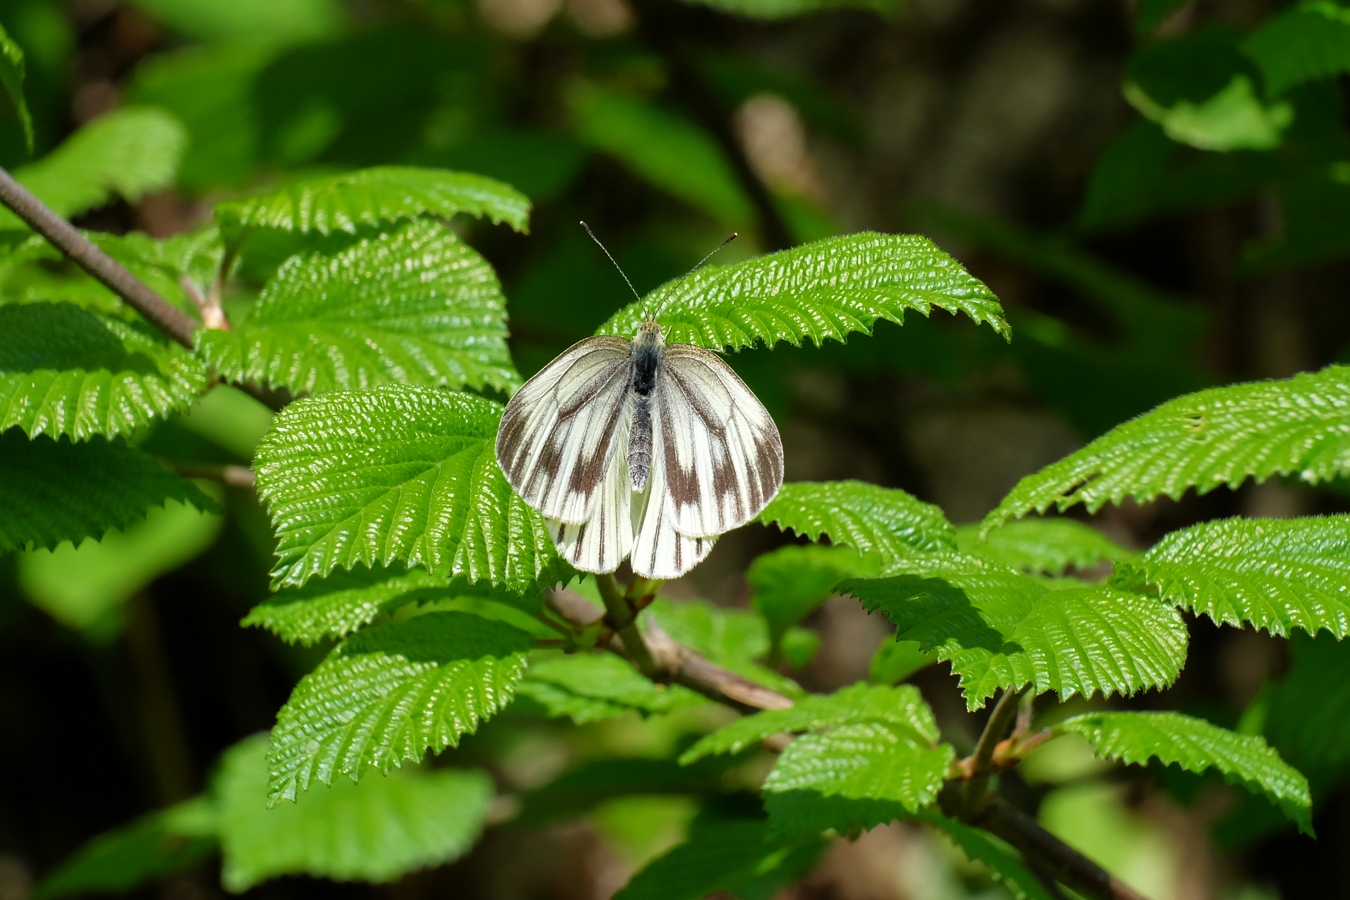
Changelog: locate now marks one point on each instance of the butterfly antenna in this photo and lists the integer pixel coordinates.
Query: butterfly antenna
(612, 259)
(729, 239)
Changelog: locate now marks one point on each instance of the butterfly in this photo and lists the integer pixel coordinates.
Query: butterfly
(639, 449)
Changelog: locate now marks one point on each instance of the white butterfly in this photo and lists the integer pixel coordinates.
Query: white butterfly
(639, 448)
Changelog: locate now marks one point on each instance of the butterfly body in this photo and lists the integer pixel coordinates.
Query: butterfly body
(639, 448)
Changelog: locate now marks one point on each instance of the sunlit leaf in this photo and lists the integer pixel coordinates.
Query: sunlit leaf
(11, 77)
(590, 687)
(1048, 546)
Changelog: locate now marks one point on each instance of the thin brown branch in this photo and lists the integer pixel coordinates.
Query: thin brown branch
(168, 318)
(981, 761)
(622, 617)
(228, 474)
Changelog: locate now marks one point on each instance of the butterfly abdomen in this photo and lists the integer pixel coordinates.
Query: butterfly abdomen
(646, 362)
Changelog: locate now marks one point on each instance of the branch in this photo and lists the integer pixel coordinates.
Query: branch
(227, 474)
(620, 616)
(168, 318)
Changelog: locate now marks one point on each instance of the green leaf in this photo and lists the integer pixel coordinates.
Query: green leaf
(1196, 745)
(404, 474)
(11, 76)
(818, 291)
(737, 857)
(791, 582)
(370, 196)
(590, 687)
(130, 152)
(1277, 574)
(146, 850)
(1004, 630)
(1309, 708)
(871, 519)
(902, 707)
(390, 694)
(1048, 546)
(374, 831)
(855, 776)
(1000, 859)
(1297, 426)
(783, 9)
(413, 305)
(56, 491)
(735, 639)
(70, 371)
(1309, 42)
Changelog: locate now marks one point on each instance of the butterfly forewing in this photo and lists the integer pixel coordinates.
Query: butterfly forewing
(561, 430)
(722, 458)
(603, 541)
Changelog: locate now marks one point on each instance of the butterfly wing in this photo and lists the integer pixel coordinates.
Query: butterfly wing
(601, 542)
(721, 453)
(562, 431)
(659, 549)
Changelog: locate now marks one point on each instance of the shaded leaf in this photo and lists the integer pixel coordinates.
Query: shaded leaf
(401, 474)
(791, 582)
(902, 707)
(11, 77)
(885, 521)
(818, 291)
(1001, 860)
(1004, 630)
(1049, 546)
(70, 371)
(1297, 426)
(374, 831)
(590, 687)
(1311, 41)
(413, 305)
(390, 694)
(1276, 574)
(1308, 716)
(1196, 745)
(370, 196)
(56, 491)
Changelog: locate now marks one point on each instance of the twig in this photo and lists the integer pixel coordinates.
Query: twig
(980, 762)
(620, 616)
(228, 474)
(168, 318)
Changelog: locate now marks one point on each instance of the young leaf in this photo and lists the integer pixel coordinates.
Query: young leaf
(589, 687)
(1196, 745)
(818, 291)
(56, 491)
(1225, 435)
(129, 152)
(1277, 574)
(1003, 630)
(902, 707)
(11, 76)
(855, 776)
(736, 857)
(374, 831)
(790, 582)
(404, 474)
(70, 371)
(885, 521)
(413, 305)
(1001, 860)
(370, 196)
(146, 850)
(390, 694)
(1045, 546)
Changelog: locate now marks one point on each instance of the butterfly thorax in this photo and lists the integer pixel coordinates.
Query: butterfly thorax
(648, 348)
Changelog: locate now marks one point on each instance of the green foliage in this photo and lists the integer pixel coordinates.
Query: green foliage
(374, 831)
(413, 305)
(345, 203)
(857, 775)
(398, 474)
(818, 291)
(1218, 436)
(902, 707)
(1195, 745)
(1004, 630)
(1307, 42)
(735, 639)
(1276, 574)
(790, 582)
(128, 153)
(56, 491)
(70, 371)
(1046, 546)
(885, 521)
(11, 77)
(1001, 861)
(738, 857)
(148, 849)
(590, 687)
(1307, 712)
(389, 694)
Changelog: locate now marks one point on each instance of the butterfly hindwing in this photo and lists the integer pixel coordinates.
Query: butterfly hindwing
(601, 542)
(721, 455)
(660, 551)
(561, 431)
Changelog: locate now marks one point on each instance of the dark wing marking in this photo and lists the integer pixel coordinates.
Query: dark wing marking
(659, 549)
